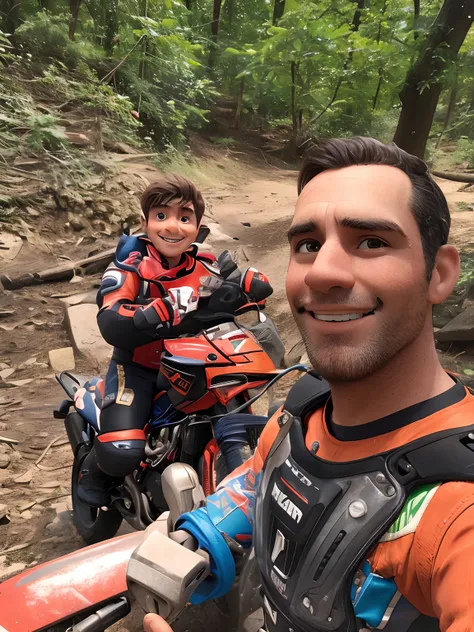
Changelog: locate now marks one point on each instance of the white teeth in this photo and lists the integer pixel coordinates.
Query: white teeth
(171, 241)
(338, 318)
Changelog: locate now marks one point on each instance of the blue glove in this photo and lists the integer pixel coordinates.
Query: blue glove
(210, 539)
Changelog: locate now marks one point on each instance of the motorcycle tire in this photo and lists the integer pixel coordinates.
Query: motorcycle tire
(93, 525)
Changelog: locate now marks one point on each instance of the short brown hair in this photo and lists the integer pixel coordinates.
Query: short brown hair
(428, 203)
(172, 187)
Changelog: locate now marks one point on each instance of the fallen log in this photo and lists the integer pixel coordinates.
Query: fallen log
(63, 272)
(455, 177)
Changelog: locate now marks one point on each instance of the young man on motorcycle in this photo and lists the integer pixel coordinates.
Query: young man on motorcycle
(158, 279)
(360, 497)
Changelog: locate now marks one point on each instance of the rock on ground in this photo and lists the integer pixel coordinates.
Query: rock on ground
(62, 359)
(81, 323)
(459, 329)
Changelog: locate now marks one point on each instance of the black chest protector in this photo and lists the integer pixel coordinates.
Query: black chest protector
(318, 520)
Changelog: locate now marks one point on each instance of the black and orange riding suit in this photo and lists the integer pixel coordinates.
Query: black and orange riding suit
(141, 302)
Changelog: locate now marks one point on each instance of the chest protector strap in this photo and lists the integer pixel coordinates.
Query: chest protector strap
(318, 520)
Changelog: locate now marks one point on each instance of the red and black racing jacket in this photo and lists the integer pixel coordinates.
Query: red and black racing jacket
(142, 301)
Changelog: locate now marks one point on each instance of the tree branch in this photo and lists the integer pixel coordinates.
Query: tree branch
(110, 74)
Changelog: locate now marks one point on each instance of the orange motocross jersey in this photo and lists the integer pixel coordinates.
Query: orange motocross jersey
(429, 550)
(139, 275)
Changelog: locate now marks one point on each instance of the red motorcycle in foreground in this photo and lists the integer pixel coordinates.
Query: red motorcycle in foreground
(93, 588)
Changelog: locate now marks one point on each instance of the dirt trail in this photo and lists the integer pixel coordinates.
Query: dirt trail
(39, 509)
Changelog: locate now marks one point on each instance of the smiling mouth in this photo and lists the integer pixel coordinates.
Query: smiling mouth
(171, 241)
(343, 318)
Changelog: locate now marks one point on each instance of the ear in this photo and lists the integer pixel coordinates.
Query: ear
(445, 274)
(142, 224)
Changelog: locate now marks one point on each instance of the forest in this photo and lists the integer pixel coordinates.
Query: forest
(153, 70)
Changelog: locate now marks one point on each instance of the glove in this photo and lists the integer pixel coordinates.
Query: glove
(160, 314)
(210, 539)
(255, 285)
(226, 264)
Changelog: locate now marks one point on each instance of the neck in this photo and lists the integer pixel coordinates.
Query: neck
(413, 376)
(173, 261)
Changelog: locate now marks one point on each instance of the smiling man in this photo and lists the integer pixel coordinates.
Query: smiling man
(358, 497)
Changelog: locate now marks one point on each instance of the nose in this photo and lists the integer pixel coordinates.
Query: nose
(171, 225)
(331, 268)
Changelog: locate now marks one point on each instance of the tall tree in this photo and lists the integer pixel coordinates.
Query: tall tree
(46, 4)
(111, 26)
(278, 10)
(379, 35)
(215, 23)
(420, 94)
(355, 25)
(416, 15)
(74, 6)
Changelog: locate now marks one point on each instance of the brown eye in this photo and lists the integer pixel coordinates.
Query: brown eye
(309, 246)
(372, 243)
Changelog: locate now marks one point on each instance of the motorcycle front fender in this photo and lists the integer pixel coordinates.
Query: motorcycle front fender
(60, 589)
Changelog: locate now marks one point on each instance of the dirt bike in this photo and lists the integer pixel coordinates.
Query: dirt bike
(206, 379)
(93, 588)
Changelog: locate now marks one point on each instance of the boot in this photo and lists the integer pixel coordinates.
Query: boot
(93, 484)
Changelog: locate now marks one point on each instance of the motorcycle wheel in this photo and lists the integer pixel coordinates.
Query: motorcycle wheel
(94, 525)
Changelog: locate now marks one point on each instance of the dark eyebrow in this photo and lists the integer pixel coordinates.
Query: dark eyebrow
(376, 225)
(301, 229)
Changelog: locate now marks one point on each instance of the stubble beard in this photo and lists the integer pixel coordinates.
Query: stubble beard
(340, 361)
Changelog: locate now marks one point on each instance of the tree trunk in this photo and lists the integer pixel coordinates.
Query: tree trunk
(294, 117)
(420, 95)
(74, 6)
(349, 109)
(229, 7)
(240, 104)
(216, 16)
(111, 26)
(416, 17)
(47, 5)
(449, 112)
(377, 91)
(142, 64)
(278, 10)
(379, 36)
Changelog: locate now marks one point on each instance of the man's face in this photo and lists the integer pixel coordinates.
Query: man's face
(356, 280)
(172, 228)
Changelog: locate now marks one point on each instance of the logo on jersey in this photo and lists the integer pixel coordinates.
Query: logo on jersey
(286, 504)
(279, 583)
(299, 475)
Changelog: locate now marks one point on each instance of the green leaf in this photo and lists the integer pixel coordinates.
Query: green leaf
(277, 30)
(169, 23)
(298, 44)
(469, 372)
(232, 51)
(193, 62)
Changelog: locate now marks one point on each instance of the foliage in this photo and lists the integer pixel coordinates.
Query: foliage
(327, 67)
(23, 126)
(466, 277)
(464, 152)
(45, 37)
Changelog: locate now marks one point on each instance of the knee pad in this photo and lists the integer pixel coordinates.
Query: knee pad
(120, 452)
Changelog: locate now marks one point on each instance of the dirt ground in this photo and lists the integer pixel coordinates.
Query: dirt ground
(36, 497)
